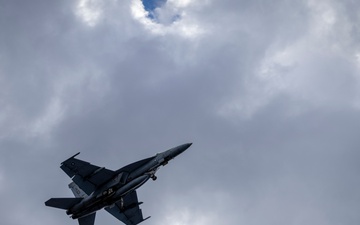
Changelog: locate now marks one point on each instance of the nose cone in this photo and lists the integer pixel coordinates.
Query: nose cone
(186, 146)
(180, 149)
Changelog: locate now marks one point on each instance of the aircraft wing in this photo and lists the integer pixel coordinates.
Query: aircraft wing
(127, 211)
(87, 176)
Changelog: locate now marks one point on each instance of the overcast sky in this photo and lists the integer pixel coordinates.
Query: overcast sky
(268, 92)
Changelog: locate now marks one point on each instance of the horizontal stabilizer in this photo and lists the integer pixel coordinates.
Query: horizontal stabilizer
(145, 219)
(62, 203)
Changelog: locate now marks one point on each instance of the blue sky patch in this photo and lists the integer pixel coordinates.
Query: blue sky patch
(151, 5)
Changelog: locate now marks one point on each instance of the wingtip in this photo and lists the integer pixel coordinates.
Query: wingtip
(71, 157)
(74, 155)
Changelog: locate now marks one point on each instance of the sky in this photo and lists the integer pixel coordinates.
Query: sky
(267, 91)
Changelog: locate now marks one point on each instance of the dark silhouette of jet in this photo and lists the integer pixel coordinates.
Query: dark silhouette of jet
(97, 187)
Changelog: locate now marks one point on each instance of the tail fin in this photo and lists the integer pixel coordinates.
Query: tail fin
(87, 220)
(62, 203)
(78, 192)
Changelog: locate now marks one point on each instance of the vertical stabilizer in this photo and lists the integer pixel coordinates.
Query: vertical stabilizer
(79, 193)
(87, 220)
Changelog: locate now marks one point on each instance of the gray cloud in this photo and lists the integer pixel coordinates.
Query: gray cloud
(268, 93)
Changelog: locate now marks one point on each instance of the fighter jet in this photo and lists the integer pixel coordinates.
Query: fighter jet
(96, 187)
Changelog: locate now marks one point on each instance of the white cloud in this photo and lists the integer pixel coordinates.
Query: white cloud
(183, 27)
(52, 115)
(357, 57)
(180, 3)
(184, 217)
(89, 11)
(2, 180)
(324, 16)
(196, 207)
(312, 70)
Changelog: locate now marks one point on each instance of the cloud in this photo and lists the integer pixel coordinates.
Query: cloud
(171, 18)
(89, 11)
(314, 68)
(267, 91)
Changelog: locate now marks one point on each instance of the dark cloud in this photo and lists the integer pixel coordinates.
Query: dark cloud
(268, 93)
